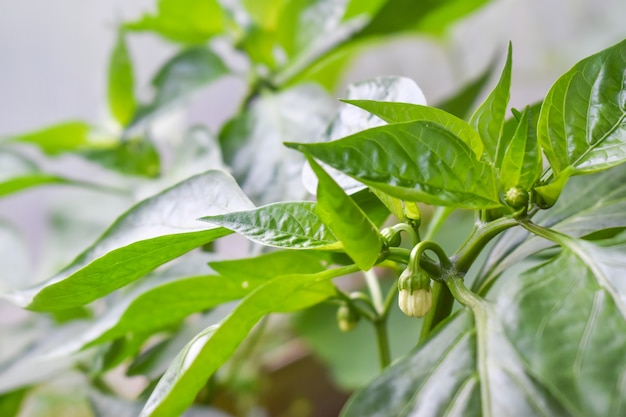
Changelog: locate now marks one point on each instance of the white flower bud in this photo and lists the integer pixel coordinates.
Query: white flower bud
(415, 303)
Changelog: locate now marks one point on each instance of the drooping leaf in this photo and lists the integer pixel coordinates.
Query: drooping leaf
(359, 236)
(121, 87)
(252, 143)
(294, 225)
(166, 298)
(396, 112)
(212, 347)
(11, 402)
(185, 73)
(521, 162)
(153, 232)
(488, 119)
(53, 140)
(187, 21)
(582, 125)
(351, 119)
(413, 161)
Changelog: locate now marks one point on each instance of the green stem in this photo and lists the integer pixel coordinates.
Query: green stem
(441, 309)
(463, 295)
(482, 234)
(439, 217)
(384, 353)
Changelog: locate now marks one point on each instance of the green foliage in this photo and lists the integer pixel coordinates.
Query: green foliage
(538, 329)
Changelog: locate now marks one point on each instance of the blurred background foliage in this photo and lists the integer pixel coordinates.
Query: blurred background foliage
(106, 102)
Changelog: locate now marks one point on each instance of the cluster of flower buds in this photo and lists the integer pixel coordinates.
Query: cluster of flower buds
(414, 295)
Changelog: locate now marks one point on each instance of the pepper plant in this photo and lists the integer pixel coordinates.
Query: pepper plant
(525, 316)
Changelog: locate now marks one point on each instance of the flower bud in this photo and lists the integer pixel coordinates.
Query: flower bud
(391, 237)
(347, 318)
(516, 197)
(412, 211)
(414, 296)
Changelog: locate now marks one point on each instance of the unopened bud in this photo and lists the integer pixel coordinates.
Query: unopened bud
(414, 296)
(516, 197)
(347, 318)
(412, 211)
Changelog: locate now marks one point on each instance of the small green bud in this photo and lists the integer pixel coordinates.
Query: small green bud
(347, 318)
(516, 197)
(415, 298)
(412, 211)
(392, 237)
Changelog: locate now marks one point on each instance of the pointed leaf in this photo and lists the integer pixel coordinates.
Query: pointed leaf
(413, 161)
(582, 126)
(121, 88)
(131, 157)
(168, 297)
(153, 232)
(488, 119)
(351, 119)
(359, 236)
(212, 347)
(521, 163)
(283, 225)
(395, 112)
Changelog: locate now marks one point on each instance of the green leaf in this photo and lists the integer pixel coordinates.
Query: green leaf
(121, 88)
(211, 348)
(351, 119)
(395, 112)
(11, 402)
(521, 163)
(568, 321)
(184, 74)
(293, 225)
(360, 237)
(130, 156)
(582, 125)
(186, 21)
(488, 119)
(168, 297)
(253, 142)
(467, 368)
(53, 140)
(413, 161)
(153, 232)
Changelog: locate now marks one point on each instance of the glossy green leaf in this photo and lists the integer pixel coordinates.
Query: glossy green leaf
(395, 112)
(19, 173)
(131, 156)
(53, 140)
(212, 347)
(468, 368)
(121, 87)
(567, 319)
(294, 225)
(582, 125)
(185, 73)
(413, 161)
(187, 21)
(488, 119)
(521, 163)
(352, 119)
(11, 402)
(153, 232)
(268, 266)
(253, 142)
(359, 236)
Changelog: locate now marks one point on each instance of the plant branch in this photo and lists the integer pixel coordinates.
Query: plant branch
(374, 288)
(384, 352)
